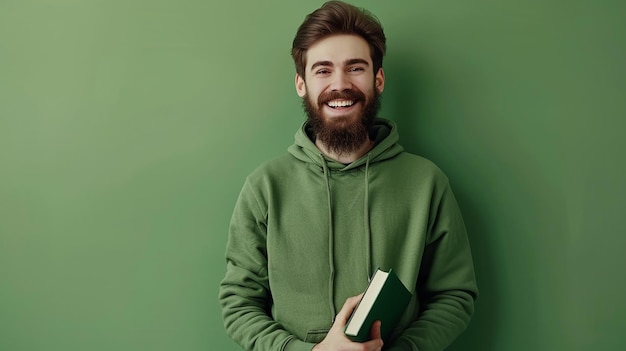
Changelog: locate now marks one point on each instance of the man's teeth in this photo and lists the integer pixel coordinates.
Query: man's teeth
(340, 103)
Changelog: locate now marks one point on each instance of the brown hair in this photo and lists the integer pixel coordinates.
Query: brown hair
(336, 17)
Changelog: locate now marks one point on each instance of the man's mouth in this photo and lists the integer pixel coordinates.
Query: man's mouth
(340, 103)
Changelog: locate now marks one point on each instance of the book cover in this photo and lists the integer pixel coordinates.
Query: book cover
(385, 300)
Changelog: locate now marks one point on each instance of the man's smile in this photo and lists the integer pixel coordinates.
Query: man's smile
(340, 103)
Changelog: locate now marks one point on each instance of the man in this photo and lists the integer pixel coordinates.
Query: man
(311, 226)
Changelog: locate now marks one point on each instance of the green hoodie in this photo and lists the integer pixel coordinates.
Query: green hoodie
(307, 232)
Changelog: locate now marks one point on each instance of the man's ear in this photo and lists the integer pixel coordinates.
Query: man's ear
(300, 86)
(379, 79)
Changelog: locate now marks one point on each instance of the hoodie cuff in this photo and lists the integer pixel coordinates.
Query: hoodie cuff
(298, 345)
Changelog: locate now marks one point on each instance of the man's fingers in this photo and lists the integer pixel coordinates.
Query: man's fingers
(348, 307)
(375, 332)
(376, 341)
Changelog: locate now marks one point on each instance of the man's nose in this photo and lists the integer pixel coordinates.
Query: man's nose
(340, 81)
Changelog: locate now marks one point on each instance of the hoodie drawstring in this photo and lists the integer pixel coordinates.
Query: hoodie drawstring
(331, 243)
(366, 216)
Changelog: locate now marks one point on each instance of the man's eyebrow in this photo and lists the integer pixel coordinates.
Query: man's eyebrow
(355, 61)
(348, 62)
(321, 63)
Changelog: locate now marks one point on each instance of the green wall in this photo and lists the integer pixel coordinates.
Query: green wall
(128, 127)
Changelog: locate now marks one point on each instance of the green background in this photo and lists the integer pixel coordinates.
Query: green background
(128, 127)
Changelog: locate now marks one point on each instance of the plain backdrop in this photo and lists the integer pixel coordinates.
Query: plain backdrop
(127, 128)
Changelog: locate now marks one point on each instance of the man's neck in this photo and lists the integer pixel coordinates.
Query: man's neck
(346, 158)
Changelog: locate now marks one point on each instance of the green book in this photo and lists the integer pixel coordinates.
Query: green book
(385, 300)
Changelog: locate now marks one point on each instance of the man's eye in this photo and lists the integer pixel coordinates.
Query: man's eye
(322, 71)
(357, 69)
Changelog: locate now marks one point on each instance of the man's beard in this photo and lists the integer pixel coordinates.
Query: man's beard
(342, 135)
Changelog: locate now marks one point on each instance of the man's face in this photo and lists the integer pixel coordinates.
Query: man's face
(340, 90)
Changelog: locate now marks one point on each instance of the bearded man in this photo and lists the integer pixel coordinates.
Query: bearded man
(310, 227)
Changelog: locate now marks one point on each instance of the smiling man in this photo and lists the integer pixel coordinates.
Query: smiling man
(340, 94)
(311, 226)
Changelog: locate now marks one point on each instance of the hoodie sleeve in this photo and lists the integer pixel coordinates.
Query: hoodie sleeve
(446, 283)
(244, 292)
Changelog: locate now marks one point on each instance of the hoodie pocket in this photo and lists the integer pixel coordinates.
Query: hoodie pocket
(315, 336)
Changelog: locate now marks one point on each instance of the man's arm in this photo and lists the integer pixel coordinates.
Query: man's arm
(244, 292)
(446, 285)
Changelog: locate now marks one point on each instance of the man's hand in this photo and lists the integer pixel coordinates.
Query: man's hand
(336, 340)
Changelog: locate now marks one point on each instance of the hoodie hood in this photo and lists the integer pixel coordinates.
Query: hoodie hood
(385, 136)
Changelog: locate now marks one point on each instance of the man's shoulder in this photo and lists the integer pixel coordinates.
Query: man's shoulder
(272, 167)
(416, 163)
